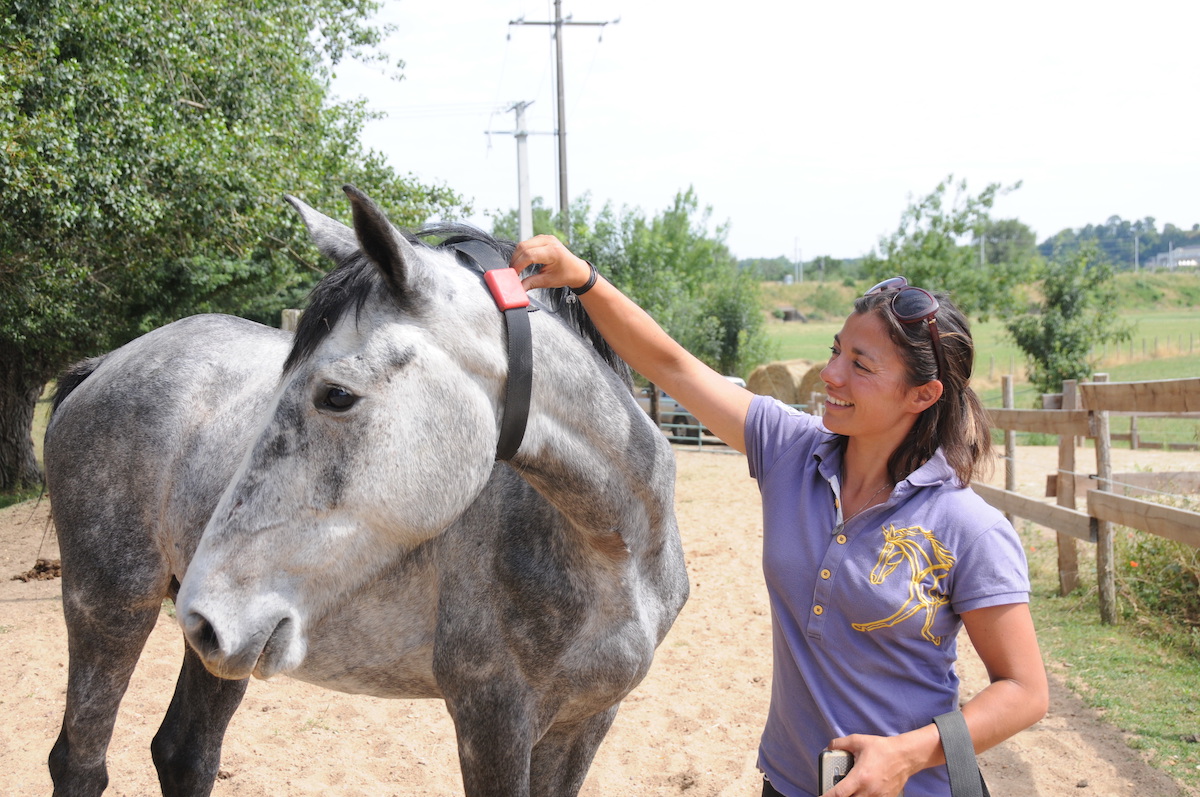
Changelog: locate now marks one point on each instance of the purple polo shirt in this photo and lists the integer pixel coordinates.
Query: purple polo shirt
(865, 621)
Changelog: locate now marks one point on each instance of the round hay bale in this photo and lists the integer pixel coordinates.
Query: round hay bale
(811, 383)
(782, 380)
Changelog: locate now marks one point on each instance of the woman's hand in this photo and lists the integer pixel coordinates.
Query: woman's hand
(560, 267)
(882, 765)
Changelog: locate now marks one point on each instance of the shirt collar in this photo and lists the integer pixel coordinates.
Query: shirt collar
(936, 471)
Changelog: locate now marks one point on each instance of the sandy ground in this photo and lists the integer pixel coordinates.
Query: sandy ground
(690, 728)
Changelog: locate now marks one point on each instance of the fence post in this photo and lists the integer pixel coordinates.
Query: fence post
(1068, 551)
(289, 320)
(1010, 442)
(1106, 580)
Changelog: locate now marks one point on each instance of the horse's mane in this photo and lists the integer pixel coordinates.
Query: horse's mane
(355, 278)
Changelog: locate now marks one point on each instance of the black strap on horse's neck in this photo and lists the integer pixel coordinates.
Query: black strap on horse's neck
(510, 297)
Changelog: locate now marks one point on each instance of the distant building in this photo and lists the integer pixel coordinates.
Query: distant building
(1179, 257)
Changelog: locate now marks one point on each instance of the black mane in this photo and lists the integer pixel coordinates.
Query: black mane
(355, 279)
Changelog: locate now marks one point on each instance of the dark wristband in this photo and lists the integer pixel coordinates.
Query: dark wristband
(587, 286)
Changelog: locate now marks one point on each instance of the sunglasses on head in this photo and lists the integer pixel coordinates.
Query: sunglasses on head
(910, 305)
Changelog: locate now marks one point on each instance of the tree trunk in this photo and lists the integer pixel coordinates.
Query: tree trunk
(18, 400)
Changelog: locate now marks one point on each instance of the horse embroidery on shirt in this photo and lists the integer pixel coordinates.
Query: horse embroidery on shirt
(905, 545)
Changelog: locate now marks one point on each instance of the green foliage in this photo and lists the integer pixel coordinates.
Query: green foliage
(505, 224)
(1115, 238)
(775, 269)
(672, 266)
(1076, 316)
(146, 148)
(930, 249)
(779, 269)
(1159, 580)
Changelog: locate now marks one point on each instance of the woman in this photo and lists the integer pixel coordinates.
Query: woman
(875, 553)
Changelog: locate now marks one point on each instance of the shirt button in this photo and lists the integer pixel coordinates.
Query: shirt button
(825, 574)
(818, 610)
(841, 539)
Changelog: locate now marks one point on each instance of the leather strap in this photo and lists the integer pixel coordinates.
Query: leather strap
(515, 306)
(965, 778)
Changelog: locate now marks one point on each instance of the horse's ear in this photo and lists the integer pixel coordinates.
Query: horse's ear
(335, 240)
(379, 239)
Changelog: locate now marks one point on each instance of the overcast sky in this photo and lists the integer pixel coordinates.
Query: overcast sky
(808, 127)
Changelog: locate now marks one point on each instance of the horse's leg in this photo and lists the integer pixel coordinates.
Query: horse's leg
(104, 641)
(187, 747)
(495, 736)
(563, 756)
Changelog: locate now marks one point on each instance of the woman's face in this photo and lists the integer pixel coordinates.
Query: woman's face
(868, 391)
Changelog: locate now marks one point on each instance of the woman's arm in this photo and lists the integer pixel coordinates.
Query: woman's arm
(1018, 694)
(1016, 698)
(640, 341)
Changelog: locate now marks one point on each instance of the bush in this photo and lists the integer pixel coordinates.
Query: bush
(1160, 580)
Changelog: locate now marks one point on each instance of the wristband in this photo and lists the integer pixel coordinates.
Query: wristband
(587, 286)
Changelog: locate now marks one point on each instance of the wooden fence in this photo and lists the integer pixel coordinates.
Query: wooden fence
(1083, 410)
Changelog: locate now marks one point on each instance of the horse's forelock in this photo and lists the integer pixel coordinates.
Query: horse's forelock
(348, 286)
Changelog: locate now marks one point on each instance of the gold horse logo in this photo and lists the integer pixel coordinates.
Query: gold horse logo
(904, 545)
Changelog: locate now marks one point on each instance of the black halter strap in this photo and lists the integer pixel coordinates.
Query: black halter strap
(510, 297)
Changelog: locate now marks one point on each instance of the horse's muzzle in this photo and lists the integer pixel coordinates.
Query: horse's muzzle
(262, 653)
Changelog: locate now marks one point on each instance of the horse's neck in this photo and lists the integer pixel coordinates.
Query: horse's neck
(592, 452)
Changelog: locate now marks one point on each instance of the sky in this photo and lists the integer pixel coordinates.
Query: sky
(806, 127)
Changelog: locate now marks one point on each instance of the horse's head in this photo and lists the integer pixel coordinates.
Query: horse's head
(383, 430)
(890, 555)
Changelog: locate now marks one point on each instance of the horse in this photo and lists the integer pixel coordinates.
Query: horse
(904, 545)
(330, 505)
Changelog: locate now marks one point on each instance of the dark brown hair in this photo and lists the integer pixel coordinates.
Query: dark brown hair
(956, 423)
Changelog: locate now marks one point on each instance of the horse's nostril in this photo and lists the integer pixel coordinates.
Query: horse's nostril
(202, 635)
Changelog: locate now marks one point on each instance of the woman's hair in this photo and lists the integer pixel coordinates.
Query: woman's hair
(956, 423)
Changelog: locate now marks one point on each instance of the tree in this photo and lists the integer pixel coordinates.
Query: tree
(1074, 317)
(146, 148)
(506, 224)
(1114, 240)
(930, 249)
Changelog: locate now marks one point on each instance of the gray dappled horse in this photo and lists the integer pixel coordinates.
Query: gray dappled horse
(330, 506)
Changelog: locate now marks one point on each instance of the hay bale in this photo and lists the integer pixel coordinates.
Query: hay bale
(790, 381)
(811, 383)
(780, 379)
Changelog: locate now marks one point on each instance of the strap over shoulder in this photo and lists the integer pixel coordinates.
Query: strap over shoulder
(965, 778)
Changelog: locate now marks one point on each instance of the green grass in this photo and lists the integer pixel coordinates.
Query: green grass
(1142, 682)
(15, 497)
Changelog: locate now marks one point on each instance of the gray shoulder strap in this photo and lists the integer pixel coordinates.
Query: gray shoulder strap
(965, 778)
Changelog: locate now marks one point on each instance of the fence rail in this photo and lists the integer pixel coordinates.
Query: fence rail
(1083, 410)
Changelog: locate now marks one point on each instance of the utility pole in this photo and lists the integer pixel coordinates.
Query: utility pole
(524, 202)
(564, 200)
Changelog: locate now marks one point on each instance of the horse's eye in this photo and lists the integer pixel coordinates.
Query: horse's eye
(338, 399)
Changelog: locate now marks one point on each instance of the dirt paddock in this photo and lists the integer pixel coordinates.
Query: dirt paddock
(691, 728)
